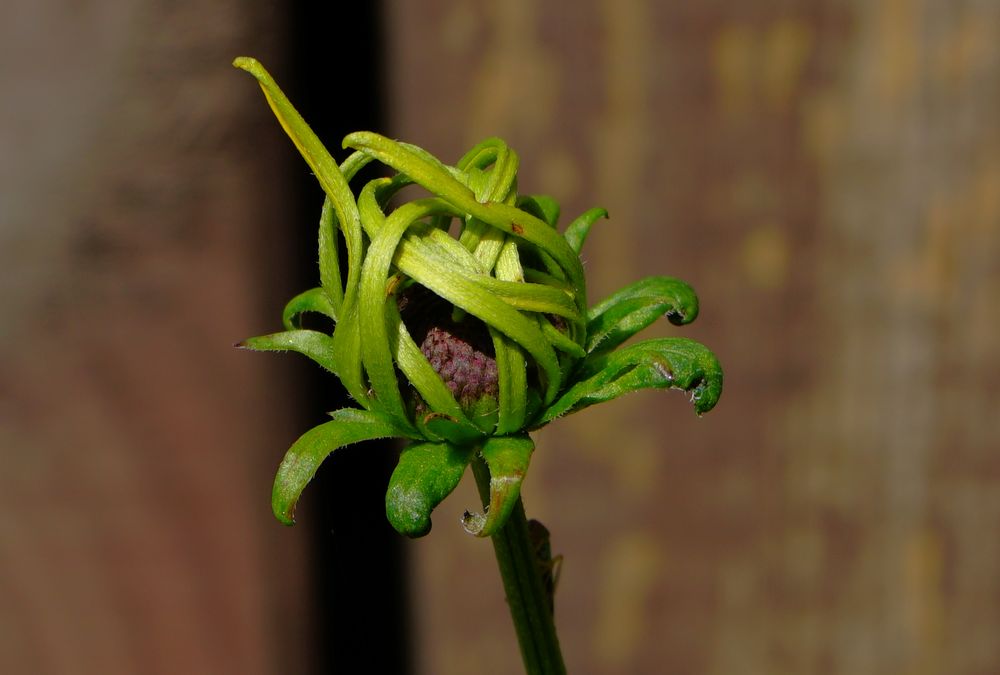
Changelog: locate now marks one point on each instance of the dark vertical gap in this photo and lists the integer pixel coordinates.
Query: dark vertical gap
(359, 582)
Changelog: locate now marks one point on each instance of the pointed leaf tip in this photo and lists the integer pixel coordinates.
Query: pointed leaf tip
(314, 344)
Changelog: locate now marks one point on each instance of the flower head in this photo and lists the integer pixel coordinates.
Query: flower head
(461, 344)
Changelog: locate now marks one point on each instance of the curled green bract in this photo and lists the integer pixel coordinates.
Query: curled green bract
(461, 322)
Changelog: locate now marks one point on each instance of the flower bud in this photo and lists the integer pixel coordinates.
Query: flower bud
(459, 350)
(463, 344)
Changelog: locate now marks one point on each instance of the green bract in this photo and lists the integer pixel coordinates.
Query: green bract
(461, 345)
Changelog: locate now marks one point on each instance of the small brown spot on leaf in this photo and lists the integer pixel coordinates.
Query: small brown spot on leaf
(390, 287)
(518, 230)
(430, 417)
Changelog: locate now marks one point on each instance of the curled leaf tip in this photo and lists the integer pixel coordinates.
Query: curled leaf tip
(706, 391)
(577, 231)
(680, 317)
(247, 63)
(474, 523)
(505, 461)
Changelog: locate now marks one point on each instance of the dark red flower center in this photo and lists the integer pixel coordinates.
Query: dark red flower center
(460, 352)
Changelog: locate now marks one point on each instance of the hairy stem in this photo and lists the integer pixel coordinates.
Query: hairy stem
(522, 582)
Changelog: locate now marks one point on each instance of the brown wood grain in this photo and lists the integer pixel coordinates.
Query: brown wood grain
(825, 174)
(138, 445)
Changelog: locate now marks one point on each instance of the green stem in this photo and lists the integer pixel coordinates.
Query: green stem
(522, 582)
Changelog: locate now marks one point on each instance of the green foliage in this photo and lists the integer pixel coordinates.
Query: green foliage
(510, 272)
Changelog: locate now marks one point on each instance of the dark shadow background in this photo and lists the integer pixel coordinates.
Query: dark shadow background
(154, 215)
(825, 174)
(358, 560)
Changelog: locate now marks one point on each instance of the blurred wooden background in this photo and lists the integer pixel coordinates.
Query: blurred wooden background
(136, 442)
(826, 175)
